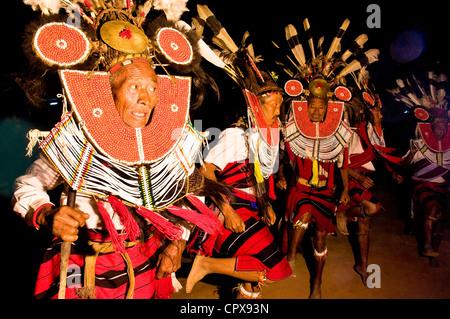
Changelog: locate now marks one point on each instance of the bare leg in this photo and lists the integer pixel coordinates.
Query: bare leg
(429, 222)
(365, 209)
(320, 247)
(203, 266)
(341, 218)
(363, 241)
(436, 239)
(297, 235)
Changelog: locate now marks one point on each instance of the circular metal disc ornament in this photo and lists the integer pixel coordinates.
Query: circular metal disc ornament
(421, 114)
(319, 87)
(368, 98)
(343, 94)
(124, 37)
(293, 88)
(61, 44)
(174, 45)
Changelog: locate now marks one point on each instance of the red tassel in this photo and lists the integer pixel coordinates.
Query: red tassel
(272, 188)
(170, 230)
(205, 222)
(128, 222)
(119, 248)
(201, 206)
(163, 288)
(384, 148)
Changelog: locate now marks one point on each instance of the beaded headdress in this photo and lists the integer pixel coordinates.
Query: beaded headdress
(111, 34)
(242, 65)
(428, 100)
(122, 33)
(324, 75)
(151, 167)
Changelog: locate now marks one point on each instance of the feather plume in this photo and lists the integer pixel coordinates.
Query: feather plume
(144, 10)
(221, 36)
(244, 43)
(363, 76)
(357, 44)
(400, 97)
(419, 85)
(204, 49)
(425, 99)
(441, 90)
(46, 6)
(209, 54)
(410, 93)
(307, 28)
(337, 39)
(432, 78)
(407, 93)
(320, 45)
(364, 59)
(197, 26)
(295, 45)
(172, 8)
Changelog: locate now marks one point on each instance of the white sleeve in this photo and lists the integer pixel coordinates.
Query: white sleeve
(230, 147)
(31, 189)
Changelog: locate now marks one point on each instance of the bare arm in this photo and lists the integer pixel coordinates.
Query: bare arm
(232, 220)
(344, 196)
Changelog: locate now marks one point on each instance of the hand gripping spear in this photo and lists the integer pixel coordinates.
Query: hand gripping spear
(65, 251)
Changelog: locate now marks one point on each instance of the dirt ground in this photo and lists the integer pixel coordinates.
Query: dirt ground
(404, 274)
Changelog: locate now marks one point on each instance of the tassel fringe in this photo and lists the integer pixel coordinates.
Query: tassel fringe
(170, 230)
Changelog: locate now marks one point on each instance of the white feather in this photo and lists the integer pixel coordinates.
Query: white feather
(46, 6)
(298, 52)
(172, 8)
(360, 40)
(307, 26)
(432, 76)
(400, 83)
(204, 49)
(355, 65)
(441, 92)
(334, 45)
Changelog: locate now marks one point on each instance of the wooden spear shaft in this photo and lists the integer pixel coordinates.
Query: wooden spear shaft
(65, 251)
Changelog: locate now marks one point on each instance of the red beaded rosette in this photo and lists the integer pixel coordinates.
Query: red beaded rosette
(342, 93)
(174, 45)
(421, 114)
(61, 44)
(368, 98)
(293, 88)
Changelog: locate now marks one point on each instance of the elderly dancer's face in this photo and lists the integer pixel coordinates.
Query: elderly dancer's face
(134, 90)
(317, 108)
(270, 106)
